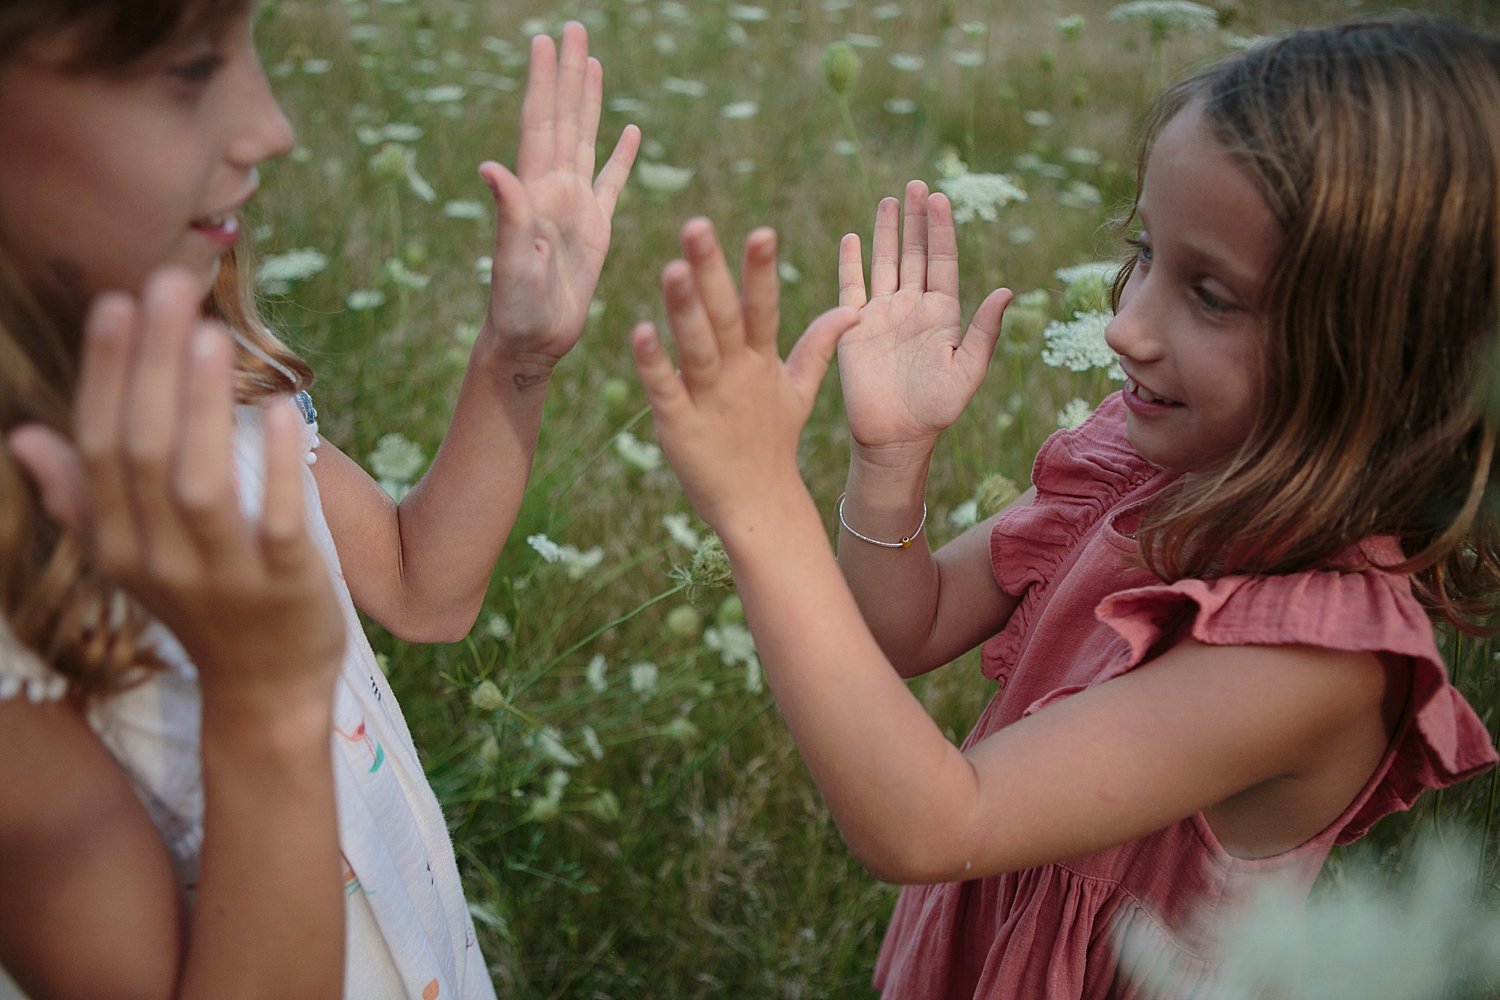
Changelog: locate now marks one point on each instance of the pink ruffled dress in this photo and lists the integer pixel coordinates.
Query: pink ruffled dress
(1088, 614)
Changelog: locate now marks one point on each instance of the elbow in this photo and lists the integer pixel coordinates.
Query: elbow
(431, 626)
(911, 862)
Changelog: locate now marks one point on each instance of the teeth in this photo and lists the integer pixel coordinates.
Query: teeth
(1147, 394)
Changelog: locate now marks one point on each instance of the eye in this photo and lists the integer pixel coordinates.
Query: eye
(199, 70)
(1212, 302)
(1142, 249)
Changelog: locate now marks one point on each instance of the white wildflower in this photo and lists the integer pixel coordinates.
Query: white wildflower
(1079, 194)
(788, 272)
(545, 547)
(662, 178)
(1094, 270)
(965, 515)
(278, 272)
(578, 565)
(1082, 156)
(739, 110)
(487, 696)
(966, 58)
(594, 673)
(901, 106)
(863, 41)
(905, 62)
(397, 457)
(732, 642)
(497, 627)
(1079, 345)
(638, 454)
(1020, 236)
(644, 677)
(748, 13)
(684, 88)
(625, 105)
(1073, 414)
(465, 209)
(548, 742)
(980, 196)
(677, 527)
(316, 67)
(885, 11)
(591, 742)
(445, 94)
(1162, 18)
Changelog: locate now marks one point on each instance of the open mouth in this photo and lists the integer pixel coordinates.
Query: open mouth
(224, 222)
(1146, 395)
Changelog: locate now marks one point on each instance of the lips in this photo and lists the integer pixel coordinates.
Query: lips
(223, 222)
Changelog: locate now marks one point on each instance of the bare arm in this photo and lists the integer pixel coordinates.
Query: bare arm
(421, 567)
(1195, 728)
(908, 371)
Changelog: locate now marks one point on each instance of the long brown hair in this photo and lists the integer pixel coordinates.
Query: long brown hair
(1376, 146)
(82, 624)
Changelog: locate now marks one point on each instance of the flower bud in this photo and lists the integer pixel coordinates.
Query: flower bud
(840, 67)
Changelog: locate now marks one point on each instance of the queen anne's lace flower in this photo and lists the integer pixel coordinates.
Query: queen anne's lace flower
(980, 196)
(1163, 18)
(1078, 345)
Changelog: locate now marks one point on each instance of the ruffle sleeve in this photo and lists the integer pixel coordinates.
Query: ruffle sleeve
(1078, 474)
(23, 673)
(1441, 741)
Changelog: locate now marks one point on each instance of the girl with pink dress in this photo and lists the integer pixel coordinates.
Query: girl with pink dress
(1210, 618)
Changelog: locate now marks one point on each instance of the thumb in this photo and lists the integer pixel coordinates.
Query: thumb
(810, 356)
(512, 208)
(54, 466)
(984, 329)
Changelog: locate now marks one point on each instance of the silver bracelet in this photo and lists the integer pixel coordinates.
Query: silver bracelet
(905, 543)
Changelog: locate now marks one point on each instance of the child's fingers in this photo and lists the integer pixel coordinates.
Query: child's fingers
(513, 239)
(537, 140)
(697, 346)
(283, 502)
(762, 292)
(851, 273)
(55, 468)
(809, 358)
(715, 288)
(664, 389)
(203, 481)
(984, 329)
(98, 416)
(588, 117)
(942, 247)
(914, 238)
(572, 67)
(611, 180)
(884, 248)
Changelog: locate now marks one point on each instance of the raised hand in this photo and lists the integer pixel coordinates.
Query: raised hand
(149, 486)
(552, 215)
(730, 420)
(908, 370)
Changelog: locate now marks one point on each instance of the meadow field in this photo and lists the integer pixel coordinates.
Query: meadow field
(630, 815)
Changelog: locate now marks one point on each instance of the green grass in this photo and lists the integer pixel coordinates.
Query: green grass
(688, 854)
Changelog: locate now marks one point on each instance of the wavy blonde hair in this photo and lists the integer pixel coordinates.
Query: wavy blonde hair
(81, 623)
(1377, 148)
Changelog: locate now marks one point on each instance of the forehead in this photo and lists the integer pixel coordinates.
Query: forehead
(1198, 198)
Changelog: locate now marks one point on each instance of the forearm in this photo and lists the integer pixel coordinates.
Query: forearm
(896, 589)
(899, 791)
(269, 914)
(450, 528)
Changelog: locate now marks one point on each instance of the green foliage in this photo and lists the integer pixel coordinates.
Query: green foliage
(630, 814)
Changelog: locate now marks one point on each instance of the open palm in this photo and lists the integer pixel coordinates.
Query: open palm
(553, 225)
(908, 369)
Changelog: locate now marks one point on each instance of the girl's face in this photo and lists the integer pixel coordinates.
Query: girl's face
(105, 178)
(1189, 330)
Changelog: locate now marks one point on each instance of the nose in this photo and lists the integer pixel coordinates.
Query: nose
(1131, 331)
(261, 129)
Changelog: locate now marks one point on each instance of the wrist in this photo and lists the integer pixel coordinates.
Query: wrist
(509, 367)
